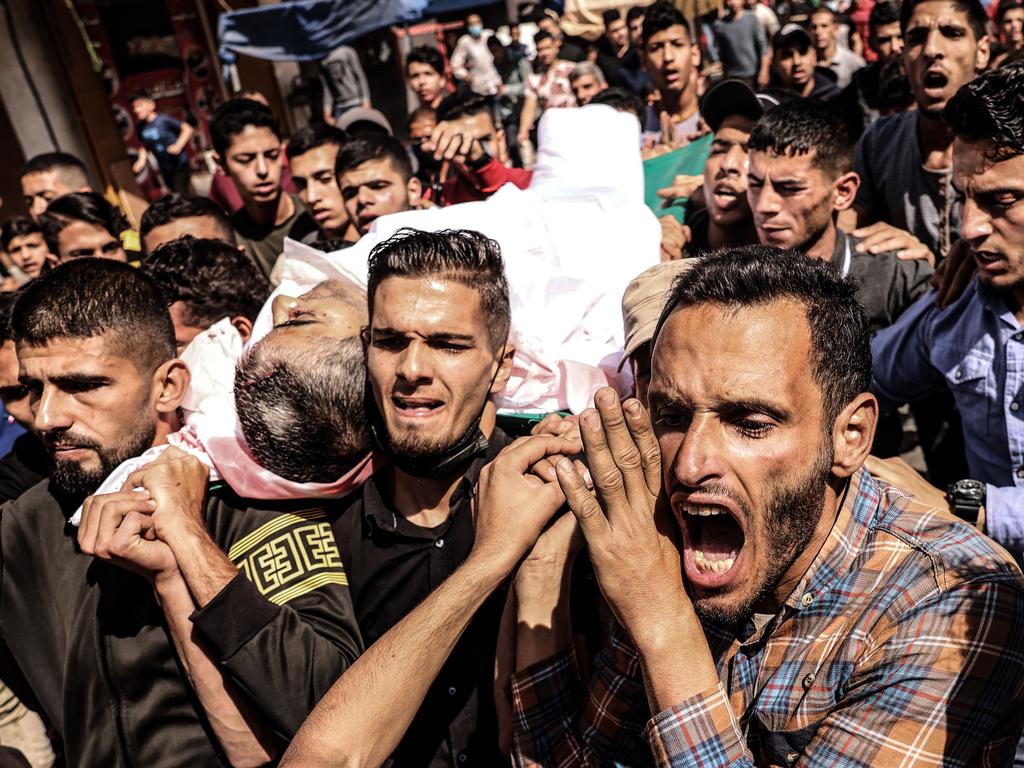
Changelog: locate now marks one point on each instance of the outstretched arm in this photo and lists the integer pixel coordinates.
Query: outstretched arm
(365, 714)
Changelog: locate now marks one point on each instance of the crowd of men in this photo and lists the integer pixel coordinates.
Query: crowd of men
(364, 561)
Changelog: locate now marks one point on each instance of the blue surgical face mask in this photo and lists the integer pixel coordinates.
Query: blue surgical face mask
(476, 30)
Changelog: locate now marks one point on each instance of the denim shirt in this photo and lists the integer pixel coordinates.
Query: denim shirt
(976, 348)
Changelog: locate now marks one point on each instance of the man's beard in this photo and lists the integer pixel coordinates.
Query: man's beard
(790, 519)
(415, 445)
(73, 480)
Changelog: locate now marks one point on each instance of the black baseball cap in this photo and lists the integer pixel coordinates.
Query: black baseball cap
(733, 97)
(790, 36)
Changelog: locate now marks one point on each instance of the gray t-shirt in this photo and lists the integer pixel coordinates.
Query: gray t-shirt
(896, 188)
(741, 44)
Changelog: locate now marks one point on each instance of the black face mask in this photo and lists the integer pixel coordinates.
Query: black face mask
(434, 465)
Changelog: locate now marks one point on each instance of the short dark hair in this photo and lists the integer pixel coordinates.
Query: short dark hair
(540, 36)
(425, 54)
(173, 206)
(1007, 5)
(659, 17)
(823, 9)
(455, 255)
(211, 278)
(609, 16)
(636, 12)
(886, 12)
(19, 226)
(622, 99)
(977, 19)
(302, 410)
(61, 161)
(313, 136)
(464, 104)
(232, 117)
(797, 127)
(991, 108)
(372, 146)
(90, 297)
(756, 275)
(90, 207)
(7, 302)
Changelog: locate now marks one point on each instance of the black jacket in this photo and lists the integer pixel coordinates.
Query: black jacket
(92, 642)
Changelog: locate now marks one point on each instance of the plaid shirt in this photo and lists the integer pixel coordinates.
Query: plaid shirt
(903, 645)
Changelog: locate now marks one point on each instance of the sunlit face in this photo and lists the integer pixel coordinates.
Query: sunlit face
(333, 309)
(426, 82)
(29, 253)
(991, 195)
(317, 185)
(745, 451)
(585, 88)
(823, 30)
(255, 161)
(429, 362)
(887, 40)
(80, 240)
(13, 393)
(375, 189)
(1012, 28)
(790, 198)
(40, 189)
(204, 227)
(725, 173)
(547, 52)
(940, 53)
(618, 34)
(92, 408)
(670, 59)
(144, 109)
(795, 67)
(422, 127)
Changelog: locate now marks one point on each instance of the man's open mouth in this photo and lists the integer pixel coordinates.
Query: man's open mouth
(713, 541)
(935, 83)
(417, 406)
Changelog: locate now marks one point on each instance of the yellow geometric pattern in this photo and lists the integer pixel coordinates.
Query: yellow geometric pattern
(290, 556)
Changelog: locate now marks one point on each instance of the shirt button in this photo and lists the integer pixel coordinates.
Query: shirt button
(1020, 472)
(807, 599)
(808, 681)
(1014, 406)
(439, 543)
(958, 374)
(452, 691)
(462, 757)
(792, 756)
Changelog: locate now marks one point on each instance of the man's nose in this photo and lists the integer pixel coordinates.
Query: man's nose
(261, 166)
(975, 224)
(49, 412)
(413, 364)
(700, 457)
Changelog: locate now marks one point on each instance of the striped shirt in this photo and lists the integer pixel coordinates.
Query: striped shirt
(903, 644)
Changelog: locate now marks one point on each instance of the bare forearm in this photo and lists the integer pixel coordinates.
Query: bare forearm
(205, 568)
(183, 139)
(675, 659)
(365, 714)
(543, 623)
(529, 114)
(243, 741)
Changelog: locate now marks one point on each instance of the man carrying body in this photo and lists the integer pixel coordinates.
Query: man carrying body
(44, 178)
(173, 215)
(247, 140)
(842, 61)
(974, 347)
(800, 179)
(312, 153)
(872, 628)
(96, 349)
(376, 179)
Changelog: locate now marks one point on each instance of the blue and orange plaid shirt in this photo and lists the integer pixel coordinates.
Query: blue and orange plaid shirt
(903, 645)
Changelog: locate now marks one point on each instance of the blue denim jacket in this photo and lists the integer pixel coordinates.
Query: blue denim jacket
(976, 348)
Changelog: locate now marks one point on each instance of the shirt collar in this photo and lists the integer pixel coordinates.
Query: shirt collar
(993, 302)
(380, 511)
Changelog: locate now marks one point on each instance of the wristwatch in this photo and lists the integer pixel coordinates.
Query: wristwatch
(966, 498)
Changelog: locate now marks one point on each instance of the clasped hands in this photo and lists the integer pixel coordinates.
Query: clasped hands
(137, 527)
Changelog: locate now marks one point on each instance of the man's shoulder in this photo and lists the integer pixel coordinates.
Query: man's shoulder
(944, 551)
(889, 128)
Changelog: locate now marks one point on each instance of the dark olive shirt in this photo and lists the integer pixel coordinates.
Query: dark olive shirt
(392, 566)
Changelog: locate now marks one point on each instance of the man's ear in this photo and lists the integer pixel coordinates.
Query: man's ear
(852, 435)
(504, 370)
(982, 54)
(243, 325)
(844, 191)
(414, 189)
(170, 385)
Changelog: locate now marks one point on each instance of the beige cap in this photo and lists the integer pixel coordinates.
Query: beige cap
(643, 301)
